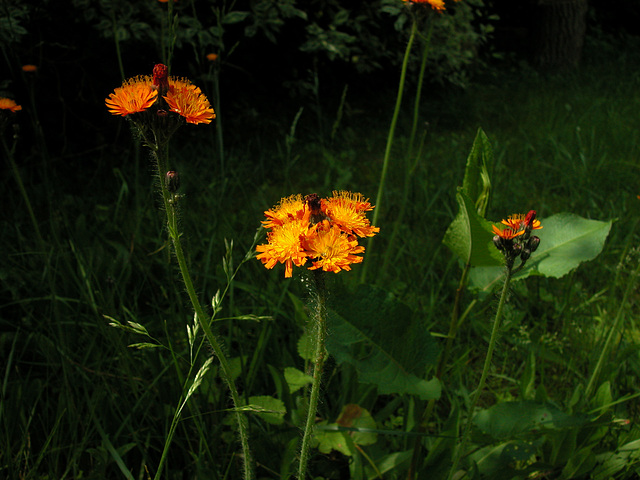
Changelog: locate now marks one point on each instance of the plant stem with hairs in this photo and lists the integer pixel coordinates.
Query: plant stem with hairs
(319, 325)
(160, 152)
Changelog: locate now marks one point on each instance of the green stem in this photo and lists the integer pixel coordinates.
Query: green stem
(387, 153)
(320, 327)
(485, 372)
(416, 104)
(169, 200)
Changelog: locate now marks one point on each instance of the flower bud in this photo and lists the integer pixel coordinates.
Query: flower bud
(533, 243)
(172, 181)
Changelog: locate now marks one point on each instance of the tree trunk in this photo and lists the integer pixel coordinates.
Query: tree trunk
(559, 33)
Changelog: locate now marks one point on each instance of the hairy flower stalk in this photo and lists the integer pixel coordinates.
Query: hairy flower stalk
(157, 105)
(320, 234)
(515, 241)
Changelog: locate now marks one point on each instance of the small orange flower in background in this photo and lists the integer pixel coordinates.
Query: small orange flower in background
(9, 105)
(437, 5)
(317, 233)
(212, 57)
(29, 68)
(139, 94)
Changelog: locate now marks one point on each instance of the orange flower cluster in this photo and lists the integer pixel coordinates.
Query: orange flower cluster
(138, 94)
(515, 240)
(316, 232)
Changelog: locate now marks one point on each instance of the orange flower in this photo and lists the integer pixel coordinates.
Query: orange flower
(29, 68)
(508, 233)
(212, 57)
(437, 5)
(135, 95)
(285, 246)
(188, 100)
(318, 233)
(330, 249)
(347, 209)
(10, 105)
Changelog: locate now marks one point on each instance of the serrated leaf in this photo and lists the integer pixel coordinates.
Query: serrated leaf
(296, 379)
(469, 236)
(270, 409)
(370, 329)
(566, 241)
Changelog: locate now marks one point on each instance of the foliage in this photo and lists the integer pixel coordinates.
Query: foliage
(81, 399)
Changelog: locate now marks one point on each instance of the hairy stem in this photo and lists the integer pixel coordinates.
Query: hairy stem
(169, 201)
(320, 331)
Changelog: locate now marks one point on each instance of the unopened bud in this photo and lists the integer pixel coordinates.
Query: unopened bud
(533, 243)
(172, 181)
(524, 256)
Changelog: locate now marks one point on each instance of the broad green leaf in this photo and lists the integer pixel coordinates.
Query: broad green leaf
(354, 416)
(512, 419)
(296, 379)
(327, 440)
(370, 329)
(566, 241)
(470, 237)
(270, 409)
(476, 183)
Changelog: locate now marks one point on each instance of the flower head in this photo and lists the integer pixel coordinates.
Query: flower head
(29, 68)
(316, 232)
(331, 249)
(188, 100)
(212, 57)
(437, 5)
(9, 105)
(134, 96)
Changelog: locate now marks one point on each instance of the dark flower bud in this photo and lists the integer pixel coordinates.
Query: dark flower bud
(497, 241)
(533, 243)
(172, 181)
(524, 256)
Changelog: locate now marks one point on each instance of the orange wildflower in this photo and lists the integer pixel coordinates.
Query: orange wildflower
(188, 100)
(330, 249)
(437, 5)
(10, 105)
(212, 57)
(347, 210)
(285, 246)
(135, 95)
(29, 68)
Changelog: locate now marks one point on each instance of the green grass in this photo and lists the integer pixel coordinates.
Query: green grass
(77, 403)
